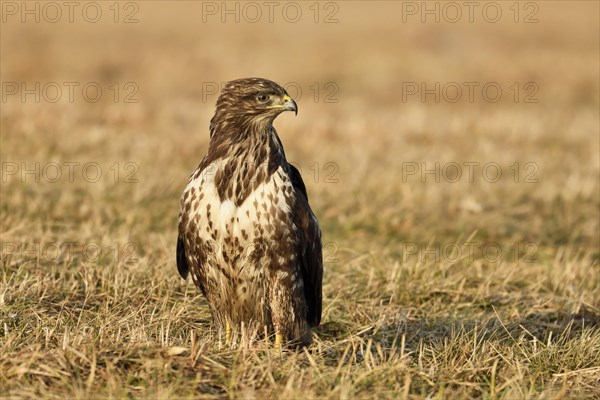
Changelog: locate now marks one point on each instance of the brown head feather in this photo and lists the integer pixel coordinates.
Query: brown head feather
(243, 107)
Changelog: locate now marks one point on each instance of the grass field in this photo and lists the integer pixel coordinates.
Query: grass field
(461, 235)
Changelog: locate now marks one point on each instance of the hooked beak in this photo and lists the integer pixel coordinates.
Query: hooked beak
(289, 104)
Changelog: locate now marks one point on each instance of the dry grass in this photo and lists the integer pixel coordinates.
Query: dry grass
(441, 322)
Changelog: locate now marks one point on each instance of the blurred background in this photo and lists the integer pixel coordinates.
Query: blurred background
(383, 87)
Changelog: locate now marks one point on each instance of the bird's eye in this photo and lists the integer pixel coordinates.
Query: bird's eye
(262, 97)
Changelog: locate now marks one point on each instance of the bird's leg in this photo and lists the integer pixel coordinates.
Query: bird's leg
(285, 301)
(278, 341)
(228, 333)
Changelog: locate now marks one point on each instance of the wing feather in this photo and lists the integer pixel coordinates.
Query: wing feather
(311, 253)
(182, 264)
(182, 261)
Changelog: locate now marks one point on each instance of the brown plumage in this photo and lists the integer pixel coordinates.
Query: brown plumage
(247, 234)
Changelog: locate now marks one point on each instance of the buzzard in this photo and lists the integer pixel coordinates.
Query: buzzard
(247, 234)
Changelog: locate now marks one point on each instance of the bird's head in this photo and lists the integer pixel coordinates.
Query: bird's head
(254, 101)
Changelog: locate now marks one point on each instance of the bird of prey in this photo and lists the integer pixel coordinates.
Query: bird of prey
(247, 234)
